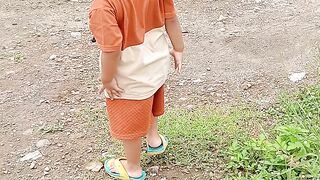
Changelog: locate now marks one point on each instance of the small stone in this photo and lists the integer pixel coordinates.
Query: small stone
(43, 143)
(94, 166)
(59, 145)
(247, 86)
(1, 144)
(33, 165)
(76, 35)
(46, 173)
(222, 29)
(164, 178)
(183, 99)
(222, 18)
(31, 156)
(154, 170)
(197, 81)
(52, 57)
(190, 106)
(296, 77)
(210, 89)
(47, 169)
(208, 69)
(211, 174)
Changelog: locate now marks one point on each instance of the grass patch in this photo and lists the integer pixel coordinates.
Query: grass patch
(196, 137)
(292, 148)
(18, 57)
(52, 128)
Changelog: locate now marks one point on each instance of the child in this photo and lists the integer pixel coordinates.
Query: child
(135, 61)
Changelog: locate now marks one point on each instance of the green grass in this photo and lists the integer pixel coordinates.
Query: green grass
(196, 137)
(18, 57)
(292, 148)
(52, 128)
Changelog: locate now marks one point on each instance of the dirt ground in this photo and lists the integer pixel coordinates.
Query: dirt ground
(238, 51)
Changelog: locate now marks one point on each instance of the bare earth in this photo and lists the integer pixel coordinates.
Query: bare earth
(49, 72)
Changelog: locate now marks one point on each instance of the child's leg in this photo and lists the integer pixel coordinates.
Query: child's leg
(132, 165)
(153, 137)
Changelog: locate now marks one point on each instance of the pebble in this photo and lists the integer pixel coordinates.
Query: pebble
(47, 169)
(33, 165)
(197, 81)
(190, 106)
(31, 156)
(94, 166)
(59, 145)
(247, 86)
(53, 57)
(296, 77)
(76, 35)
(222, 18)
(43, 143)
(1, 144)
(210, 89)
(208, 69)
(154, 170)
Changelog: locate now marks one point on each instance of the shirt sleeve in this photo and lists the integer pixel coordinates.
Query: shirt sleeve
(105, 29)
(169, 9)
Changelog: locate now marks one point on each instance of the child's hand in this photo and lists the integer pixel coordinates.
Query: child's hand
(177, 56)
(111, 88)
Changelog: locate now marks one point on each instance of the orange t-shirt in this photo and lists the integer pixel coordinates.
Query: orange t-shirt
(118, 24)
(135, 27)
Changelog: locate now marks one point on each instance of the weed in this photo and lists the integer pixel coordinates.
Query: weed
(291, 151)
(52, 128)
(18, 57)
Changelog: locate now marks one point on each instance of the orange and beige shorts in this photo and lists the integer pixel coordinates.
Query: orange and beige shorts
(131, 119)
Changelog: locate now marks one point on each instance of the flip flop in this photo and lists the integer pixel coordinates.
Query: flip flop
(122, 173)
(152, 151)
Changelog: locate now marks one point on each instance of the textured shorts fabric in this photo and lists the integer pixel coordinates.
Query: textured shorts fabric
(131, 119)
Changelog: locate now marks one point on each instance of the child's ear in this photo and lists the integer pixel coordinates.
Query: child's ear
(93, 39)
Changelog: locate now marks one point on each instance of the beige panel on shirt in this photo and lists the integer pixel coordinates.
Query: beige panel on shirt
(144, 68)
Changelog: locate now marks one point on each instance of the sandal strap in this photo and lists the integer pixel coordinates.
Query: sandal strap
(121, 170)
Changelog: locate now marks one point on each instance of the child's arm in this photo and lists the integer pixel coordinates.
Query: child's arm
(109, 62)
(175, 34)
